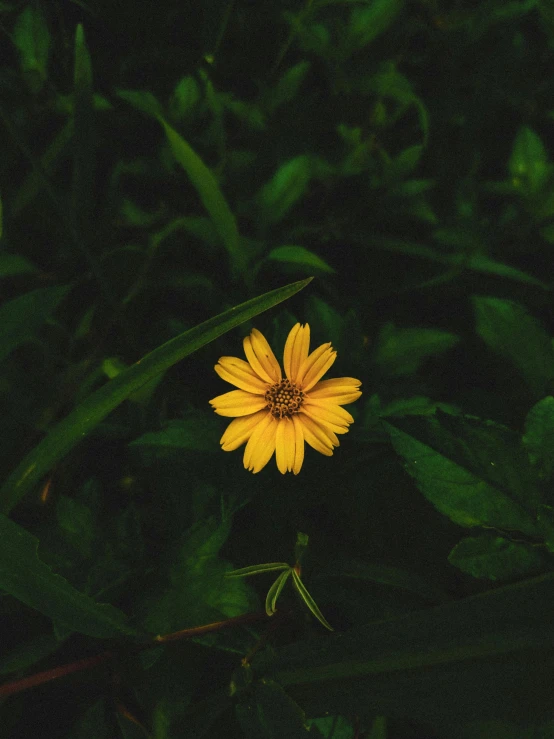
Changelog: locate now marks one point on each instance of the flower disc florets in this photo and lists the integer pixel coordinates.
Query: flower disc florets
(284, 398)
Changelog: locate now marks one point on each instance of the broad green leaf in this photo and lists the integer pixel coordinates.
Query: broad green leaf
(545, 520)
(198, 431)
(473, 472)
(210, 194)
(370, 20)
(494, 557)
(513, 333)
(25, 576)
(32, 39)
(300, 256)
(539, 436)
(69, 432)
(22, 317)
(287, 88)
(198, 592)
(528, 165)
(267, 712)
(335, 727)
(285, 188)
(15, 264)
(94, 723)
(458, 262)
(77, 523)
(436, 666)
(24, 655)
(353, 569)
(401, 351)
(83, 136)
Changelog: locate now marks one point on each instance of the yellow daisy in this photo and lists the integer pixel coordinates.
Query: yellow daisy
(273, 414)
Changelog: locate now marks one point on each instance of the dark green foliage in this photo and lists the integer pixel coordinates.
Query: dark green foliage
(173, 175)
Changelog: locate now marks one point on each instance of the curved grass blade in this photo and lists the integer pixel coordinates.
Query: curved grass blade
(309, 601)
(275, 591)
(210, 194)
(257, 569)
(63, 437)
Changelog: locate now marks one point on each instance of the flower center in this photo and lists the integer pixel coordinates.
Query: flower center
(284, 398)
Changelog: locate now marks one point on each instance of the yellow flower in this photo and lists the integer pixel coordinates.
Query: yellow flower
(278, 415)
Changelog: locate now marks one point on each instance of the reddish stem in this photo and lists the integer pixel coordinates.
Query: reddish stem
(89, 662)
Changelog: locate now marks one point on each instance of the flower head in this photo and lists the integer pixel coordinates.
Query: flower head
(278, 414)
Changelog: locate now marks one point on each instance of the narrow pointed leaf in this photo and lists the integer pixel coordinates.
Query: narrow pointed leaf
(63, 437)
(275, 591)
(257, 569)
(309, 601)
(210, 194)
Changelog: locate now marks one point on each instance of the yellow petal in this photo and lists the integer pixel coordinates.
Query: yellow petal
(318, 368)
(298, 445)
(296, 350)
(285, 441)
(329, 411)
(261, 444)
(329, 424)
(320, 438)
(240, 373)
(265, 355)
(240, 430)
(238, 403)
(341, 390)
(310, 359)
(254, 361)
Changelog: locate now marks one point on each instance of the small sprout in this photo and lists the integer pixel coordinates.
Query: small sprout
(286, 571)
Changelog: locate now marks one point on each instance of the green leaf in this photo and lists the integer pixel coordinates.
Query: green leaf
(539, 436)
(210, 194)
(198, 592)
(335, 727)
(353, 569)
(196, 432)
(460, 261)
(267, 712)
(285, 188)
(185, 97)
(257, 569)
(509, 330)
(22, 317)
(528, 165)
(77, 522)
(142, 100)
(83, 419)
(15, 264)
(545, 520)
(494, 557)
(435, 666)
(27, 578)
(300, 256)
(83, 136)
(275, 591)
(473, 472)
(289, 84)
(309, 601)
(23, 656)
(32, 39)
(388, 82)
(371, 20)
(401, 351)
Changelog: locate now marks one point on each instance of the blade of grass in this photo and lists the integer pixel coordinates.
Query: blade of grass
(83, 136)
(66, 434)
(210, 194)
